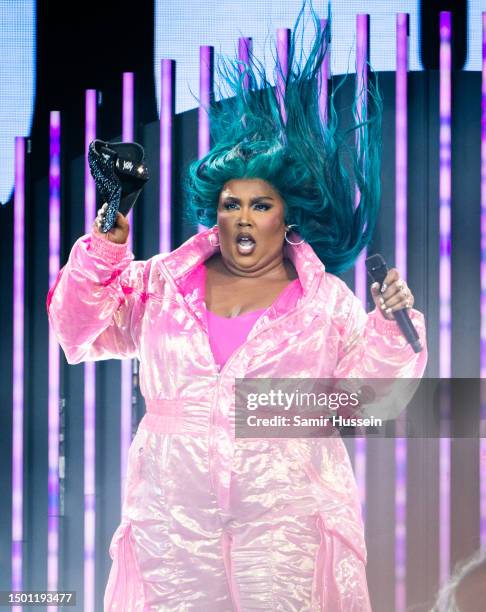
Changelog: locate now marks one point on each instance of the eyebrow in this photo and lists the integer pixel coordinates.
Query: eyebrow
(253, 200)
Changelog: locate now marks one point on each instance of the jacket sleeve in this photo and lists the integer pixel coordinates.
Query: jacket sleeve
(96, 305)
(374, 347)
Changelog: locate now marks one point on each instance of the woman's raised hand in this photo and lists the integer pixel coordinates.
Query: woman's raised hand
(119, 232)
(393, 295)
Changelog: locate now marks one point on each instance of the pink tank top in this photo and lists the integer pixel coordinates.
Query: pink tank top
(226, 335)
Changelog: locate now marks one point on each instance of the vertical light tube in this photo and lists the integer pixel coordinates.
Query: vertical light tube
(54, 359)
(206, 79)
(128, 107)
(245, 49)
(482, 441)
(401, 144)
(18, 369)
(89, 385)
(324, 76)
(445, 66)
(362, 28)
(126, 364)
(128, 125)
(400, 522)
(166, 119)
(283, 40)
(445, 193)
(401, 192)
(362, 53)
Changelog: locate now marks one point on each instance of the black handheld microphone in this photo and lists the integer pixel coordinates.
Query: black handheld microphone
(377, 269)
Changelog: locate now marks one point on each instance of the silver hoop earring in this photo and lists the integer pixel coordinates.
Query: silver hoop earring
(289, 241)
(214, 238)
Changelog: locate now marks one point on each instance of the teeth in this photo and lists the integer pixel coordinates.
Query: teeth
(245, 245)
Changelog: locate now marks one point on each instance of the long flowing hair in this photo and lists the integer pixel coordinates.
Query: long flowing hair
(313, 165)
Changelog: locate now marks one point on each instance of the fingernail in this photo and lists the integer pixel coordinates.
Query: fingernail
(375, 286)
(382, 300)
(383, 306)
(384, 287)
(388, 311)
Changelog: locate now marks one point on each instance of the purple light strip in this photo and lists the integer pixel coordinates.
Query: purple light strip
(166, 118)
(445, 193)
(89, 387)
(401, 144)
(482, 441)
(400, 523)
(127, 107)
(401, 162)
(362, 52)
(445, 279)
(362, 27)
(245, 50)
(54, 359)
(126, 364)
(128, 125)
(324, 78)
(283, 40)
(18, 368)
(206, 79)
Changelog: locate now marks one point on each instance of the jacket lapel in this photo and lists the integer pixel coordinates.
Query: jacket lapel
(184, 266)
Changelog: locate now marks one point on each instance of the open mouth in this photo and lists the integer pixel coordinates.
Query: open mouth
(245, 243)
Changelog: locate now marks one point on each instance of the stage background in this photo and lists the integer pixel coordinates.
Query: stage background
(89, 46)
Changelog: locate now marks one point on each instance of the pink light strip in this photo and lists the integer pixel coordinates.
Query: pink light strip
(283, 40)
(445, 280)
(362, 51)
(18, 369)
(126, 364)
(54, 357)
(324, 77)
(482, 440)
(401, 193)
(167, 91)
(206, 79)
(89, 387)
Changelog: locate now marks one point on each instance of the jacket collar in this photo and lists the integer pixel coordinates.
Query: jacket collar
(183, 260)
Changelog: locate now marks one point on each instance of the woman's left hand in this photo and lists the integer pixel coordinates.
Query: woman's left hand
(393, 295)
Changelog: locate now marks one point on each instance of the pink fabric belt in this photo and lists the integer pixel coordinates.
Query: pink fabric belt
(173, 416)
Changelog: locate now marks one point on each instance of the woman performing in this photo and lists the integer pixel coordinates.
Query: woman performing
(211, 522)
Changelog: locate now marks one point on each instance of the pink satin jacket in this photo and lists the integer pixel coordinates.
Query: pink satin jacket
(104, 305)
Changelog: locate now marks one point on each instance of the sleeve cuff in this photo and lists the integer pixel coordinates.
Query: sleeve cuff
(391, 328)
(111, 252)
(384, 326)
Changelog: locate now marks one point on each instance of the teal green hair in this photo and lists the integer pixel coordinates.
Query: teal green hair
(303, 157)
